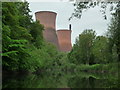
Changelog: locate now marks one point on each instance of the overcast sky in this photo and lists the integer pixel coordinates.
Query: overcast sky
(91, 19)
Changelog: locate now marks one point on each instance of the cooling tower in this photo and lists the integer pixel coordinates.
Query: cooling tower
(48, 19)
(64, 39)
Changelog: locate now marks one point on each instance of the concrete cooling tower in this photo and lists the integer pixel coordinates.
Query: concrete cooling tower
(64, 39)
(48, 19)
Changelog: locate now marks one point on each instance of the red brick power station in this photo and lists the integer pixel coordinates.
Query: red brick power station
(60, 38)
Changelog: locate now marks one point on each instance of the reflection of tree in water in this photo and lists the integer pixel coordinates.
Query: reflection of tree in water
(83, 82)
(59, 80)
(78, 82)
(53, 80)
(92, 82)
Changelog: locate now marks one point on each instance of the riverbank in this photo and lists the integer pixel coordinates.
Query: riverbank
(111, 68)
(95, 68)
(99, 68)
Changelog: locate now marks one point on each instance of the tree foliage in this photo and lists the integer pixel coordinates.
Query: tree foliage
(23, 47)
(91, 49)
(104, 49)
(82, 49)
(114, 30)
(81, 6)
(101, 50)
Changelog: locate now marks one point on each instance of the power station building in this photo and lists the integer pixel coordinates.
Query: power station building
(60, 38)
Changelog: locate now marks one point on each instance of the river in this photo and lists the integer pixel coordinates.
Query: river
(61, 80)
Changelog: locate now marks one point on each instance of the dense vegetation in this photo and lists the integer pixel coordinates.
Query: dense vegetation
(92, 60)
(97, 53)
(91, 49)
(24, 48)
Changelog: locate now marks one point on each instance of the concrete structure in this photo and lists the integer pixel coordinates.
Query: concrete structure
(64, 39)
(48, 19)
(61, 38)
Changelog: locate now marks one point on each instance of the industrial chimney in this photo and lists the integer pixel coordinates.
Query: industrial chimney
(48, 19)
(64, 39)
(69, 26)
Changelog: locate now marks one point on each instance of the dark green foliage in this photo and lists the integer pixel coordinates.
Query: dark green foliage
(101, 50)
(82, 50)
(36, 32)
(14, 37)
(114, 31)
(23, 47)
(91, 49)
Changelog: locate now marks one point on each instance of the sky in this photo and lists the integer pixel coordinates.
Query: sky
(91, 19)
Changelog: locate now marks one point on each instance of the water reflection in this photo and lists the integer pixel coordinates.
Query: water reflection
(60, 80)
(92, 82)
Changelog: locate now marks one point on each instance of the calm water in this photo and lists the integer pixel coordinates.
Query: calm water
(61, 80)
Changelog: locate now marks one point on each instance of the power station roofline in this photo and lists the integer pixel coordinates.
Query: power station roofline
(64, 30)
(45, 11)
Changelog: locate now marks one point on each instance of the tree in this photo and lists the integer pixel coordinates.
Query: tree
(83, 46)
(36, 32)
(114, 30)
(100, 50)
(24, 48)
(14, 38)
(82, 6)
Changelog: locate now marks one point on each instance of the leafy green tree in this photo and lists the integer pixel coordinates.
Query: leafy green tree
(36, 32)
(25, 19)
(18, 41)
(83, 46)
(114, 30)
(101, 50)
(14, 37)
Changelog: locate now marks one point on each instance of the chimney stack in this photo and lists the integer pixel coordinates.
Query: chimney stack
(64, 39)
(69, 26)
(48, 19)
